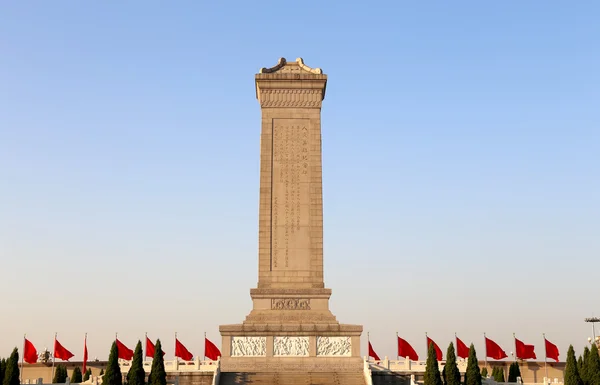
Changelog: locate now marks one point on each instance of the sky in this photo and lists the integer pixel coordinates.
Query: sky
(461, 168)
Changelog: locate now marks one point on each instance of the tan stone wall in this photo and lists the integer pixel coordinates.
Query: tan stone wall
(32, 372)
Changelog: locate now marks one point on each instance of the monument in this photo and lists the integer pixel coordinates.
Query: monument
(290, 327)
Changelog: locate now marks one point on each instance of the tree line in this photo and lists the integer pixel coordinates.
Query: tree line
(582, 371)
(9, 369)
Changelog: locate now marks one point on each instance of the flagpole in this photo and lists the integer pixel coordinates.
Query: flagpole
(22, 357)
(368, 342)
(397, 352)
(545, 356)
(145, 345)
(53, 354)
(485, 342)
(516, 353)
(175, 346)
(85, 350)
(204, 347)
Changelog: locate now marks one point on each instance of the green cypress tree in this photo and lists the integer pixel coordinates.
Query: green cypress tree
(512, 376)
(584, 366)
(484, 373)
(60, 374)
(571, 370)
(472, 375)
(136, 374)
(76, 376)
(501, 375)
(113, 375)
(451, 372)
(494, 373)
(158, 376)
(580, 365)
(2, 369)
(593, 369)
(11, 371)
(87, 374)
(432, 369)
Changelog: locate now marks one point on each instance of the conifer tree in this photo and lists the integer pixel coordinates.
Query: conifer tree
(494, 373)
(593, 366)
(158, 376)
(512, 375)
(113, 375)
(11, 371)
(472, 375)
(484, 373)
(451, 372)
(501, 375)
(60, 375)
(580, 365)
(432, 369)
(571, 370)
(2, 369)
(76, 376)
(136, 374)
(584, 366)
(87, 374)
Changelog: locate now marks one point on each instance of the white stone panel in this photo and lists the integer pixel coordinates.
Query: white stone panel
(334, 346)
(290, 346)
(248, 346)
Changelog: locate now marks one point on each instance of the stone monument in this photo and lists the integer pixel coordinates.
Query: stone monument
(290, 327)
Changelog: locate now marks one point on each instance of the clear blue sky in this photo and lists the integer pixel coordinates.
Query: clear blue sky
(461, 167)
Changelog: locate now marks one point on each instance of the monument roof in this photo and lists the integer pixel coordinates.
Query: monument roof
(283, 66)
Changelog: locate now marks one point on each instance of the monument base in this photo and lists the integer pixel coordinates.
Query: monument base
(291, 364)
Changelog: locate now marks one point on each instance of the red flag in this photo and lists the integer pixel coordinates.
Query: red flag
(438, 351)
(210, 350)
(406, 350)
(30, 355)
(551, 350)
(493, 350)
(150, 348)
(524, 351)
(123, 351)
(85, 354)
(372, 353)
(182, 352)
(61, 352)
(461, 349)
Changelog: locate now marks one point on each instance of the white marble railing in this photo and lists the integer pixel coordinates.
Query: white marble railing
(177, 366)
(367, 373)
(406, 365)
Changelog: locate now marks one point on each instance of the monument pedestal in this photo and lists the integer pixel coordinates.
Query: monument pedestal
(290, 327)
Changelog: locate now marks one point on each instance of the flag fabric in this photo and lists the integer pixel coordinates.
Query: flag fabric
(461, 349)
(150, 348)
(85, 355)
(182, 352)
(123, 351)
(406, 350)
(524, 351)
(493, 350)
(438, 351)
(210, 350)
(551, 350)
(61, 352)
(30, 354)
(372, 353)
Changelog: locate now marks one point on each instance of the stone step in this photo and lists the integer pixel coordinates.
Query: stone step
(291, 378)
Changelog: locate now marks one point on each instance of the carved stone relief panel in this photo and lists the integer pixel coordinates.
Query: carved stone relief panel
(290, 304)
(248, 346)
(290, 346)
(334, 346)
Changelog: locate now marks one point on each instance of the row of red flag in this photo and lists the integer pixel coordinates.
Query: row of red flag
(30, 354)
(492, 350)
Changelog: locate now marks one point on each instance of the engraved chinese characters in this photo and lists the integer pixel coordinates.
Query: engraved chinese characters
(248, 346)
(290, 346)
(334, 346)
(290, 208)
(290, 304)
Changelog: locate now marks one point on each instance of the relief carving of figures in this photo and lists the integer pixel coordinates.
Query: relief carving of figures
(290, 346)
(248, 346)
(290, 304)
(334, 346)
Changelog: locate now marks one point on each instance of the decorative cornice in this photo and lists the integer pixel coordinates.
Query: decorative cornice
(307, 98)
(280, 64)
(316, 71)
